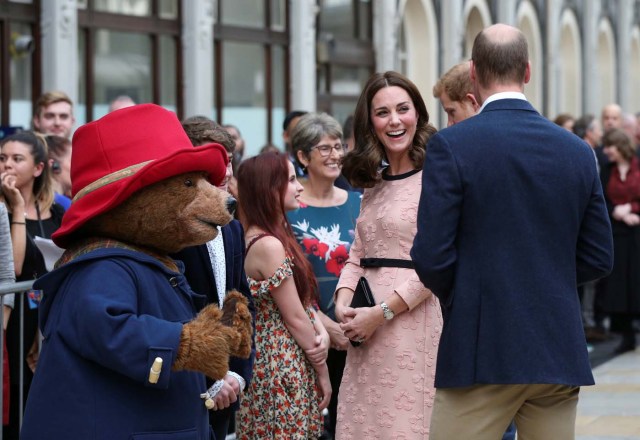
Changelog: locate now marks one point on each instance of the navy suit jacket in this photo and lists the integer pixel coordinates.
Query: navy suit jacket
(511, 219)
(199, 274)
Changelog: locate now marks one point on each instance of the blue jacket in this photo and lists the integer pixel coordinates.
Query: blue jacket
(105, 317)
(511, 219)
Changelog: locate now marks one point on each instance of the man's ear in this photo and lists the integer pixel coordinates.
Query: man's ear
(527, 72)
(473, 101)
(472, 71)
(36, 122)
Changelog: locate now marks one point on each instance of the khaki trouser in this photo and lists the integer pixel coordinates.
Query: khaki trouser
(483, 412)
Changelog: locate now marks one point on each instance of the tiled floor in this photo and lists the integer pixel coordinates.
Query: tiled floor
(610, 410)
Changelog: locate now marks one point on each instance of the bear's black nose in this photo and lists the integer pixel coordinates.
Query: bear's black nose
(231, 205)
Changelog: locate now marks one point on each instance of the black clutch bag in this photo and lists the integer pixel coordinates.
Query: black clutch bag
(362, 297)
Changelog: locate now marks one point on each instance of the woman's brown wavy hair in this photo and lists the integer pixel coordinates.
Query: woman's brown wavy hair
(361, 166)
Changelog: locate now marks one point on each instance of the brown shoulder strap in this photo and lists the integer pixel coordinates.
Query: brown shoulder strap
(253, 240)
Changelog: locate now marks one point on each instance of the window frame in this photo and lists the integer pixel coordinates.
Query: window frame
(267, 37)
(153, 26)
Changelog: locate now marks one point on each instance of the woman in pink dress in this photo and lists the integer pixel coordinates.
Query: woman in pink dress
(387, 389)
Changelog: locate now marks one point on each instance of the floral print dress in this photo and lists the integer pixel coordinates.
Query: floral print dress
(282, 400)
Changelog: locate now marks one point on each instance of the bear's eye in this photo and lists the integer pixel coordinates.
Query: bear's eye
(188, 182)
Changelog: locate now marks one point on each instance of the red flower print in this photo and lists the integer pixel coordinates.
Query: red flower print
(315, 247)
(337, 260)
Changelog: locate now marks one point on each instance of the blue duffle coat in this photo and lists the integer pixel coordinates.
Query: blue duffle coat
(105, 317)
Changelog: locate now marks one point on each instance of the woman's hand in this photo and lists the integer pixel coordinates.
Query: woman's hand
(319, 353)
(11, 193)
(361, 323)
(344, 296)
(325, 387)
(631, 219)
(338, 340)
(620, 211)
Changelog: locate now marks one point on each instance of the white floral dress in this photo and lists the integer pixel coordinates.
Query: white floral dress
(282, 400)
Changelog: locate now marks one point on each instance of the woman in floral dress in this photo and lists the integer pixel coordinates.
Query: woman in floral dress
(324, 226)
(387, 389)
(290, 385)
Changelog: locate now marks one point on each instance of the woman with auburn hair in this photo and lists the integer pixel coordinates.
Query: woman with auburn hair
(621, 185)
(387, 390)
(290, 385)
(27, 191)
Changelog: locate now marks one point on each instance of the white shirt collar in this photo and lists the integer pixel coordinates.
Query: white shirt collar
(502, 95)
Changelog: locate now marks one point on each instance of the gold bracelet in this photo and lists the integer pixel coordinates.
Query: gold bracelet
(18, 223)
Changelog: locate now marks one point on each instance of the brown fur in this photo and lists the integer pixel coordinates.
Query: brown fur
(167, 216)
(164, 218)
(213, 331)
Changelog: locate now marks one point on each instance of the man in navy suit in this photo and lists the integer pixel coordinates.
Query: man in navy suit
(511, 219)
(214, 268)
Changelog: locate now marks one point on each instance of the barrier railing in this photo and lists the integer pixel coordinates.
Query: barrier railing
(20, 288)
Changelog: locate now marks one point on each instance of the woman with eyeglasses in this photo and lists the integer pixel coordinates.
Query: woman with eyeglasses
(324, 225)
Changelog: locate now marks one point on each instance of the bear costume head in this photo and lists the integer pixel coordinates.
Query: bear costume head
(124, 353)
(144, 147)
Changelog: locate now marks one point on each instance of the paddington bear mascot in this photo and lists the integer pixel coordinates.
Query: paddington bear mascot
(124, 355)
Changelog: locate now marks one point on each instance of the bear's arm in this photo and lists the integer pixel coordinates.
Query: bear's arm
(122, 317)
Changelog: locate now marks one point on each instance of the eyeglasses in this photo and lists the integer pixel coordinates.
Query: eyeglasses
(325, 150)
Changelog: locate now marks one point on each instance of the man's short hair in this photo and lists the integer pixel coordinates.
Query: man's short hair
(202, 130)
(290, 117)
(57, 146)
(456, 83)
(49, 98)
(583, 125)
(503, 62)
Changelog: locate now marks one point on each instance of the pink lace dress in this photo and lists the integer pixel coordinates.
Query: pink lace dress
(387, 389)
(281, 401)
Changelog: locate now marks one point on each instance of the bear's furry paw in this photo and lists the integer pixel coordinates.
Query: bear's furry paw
(205, 344)
(236, 316)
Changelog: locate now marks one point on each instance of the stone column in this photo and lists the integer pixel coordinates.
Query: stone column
(624, 25)
(197, 45)
(507, 12)
(551, 58)
(59, 43)
(385, 34)
(591, 13)
(451, 34)
(302, 53)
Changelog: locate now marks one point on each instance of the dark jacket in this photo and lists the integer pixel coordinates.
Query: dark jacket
(511, 219)
(200, 276)
(105, 317)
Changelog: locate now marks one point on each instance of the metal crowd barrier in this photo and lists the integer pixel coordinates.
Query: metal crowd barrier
(19, 289)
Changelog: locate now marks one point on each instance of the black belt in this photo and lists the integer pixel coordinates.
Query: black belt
(386, 262)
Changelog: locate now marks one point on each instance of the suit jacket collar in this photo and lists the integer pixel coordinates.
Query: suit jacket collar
(508, 104)
(502, 95)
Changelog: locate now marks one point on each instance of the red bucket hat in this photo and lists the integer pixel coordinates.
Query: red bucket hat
(128, 150)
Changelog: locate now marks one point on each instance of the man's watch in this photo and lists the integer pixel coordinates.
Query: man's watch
(387, 312)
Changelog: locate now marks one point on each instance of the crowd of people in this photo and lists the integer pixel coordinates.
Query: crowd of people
(494, 250)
